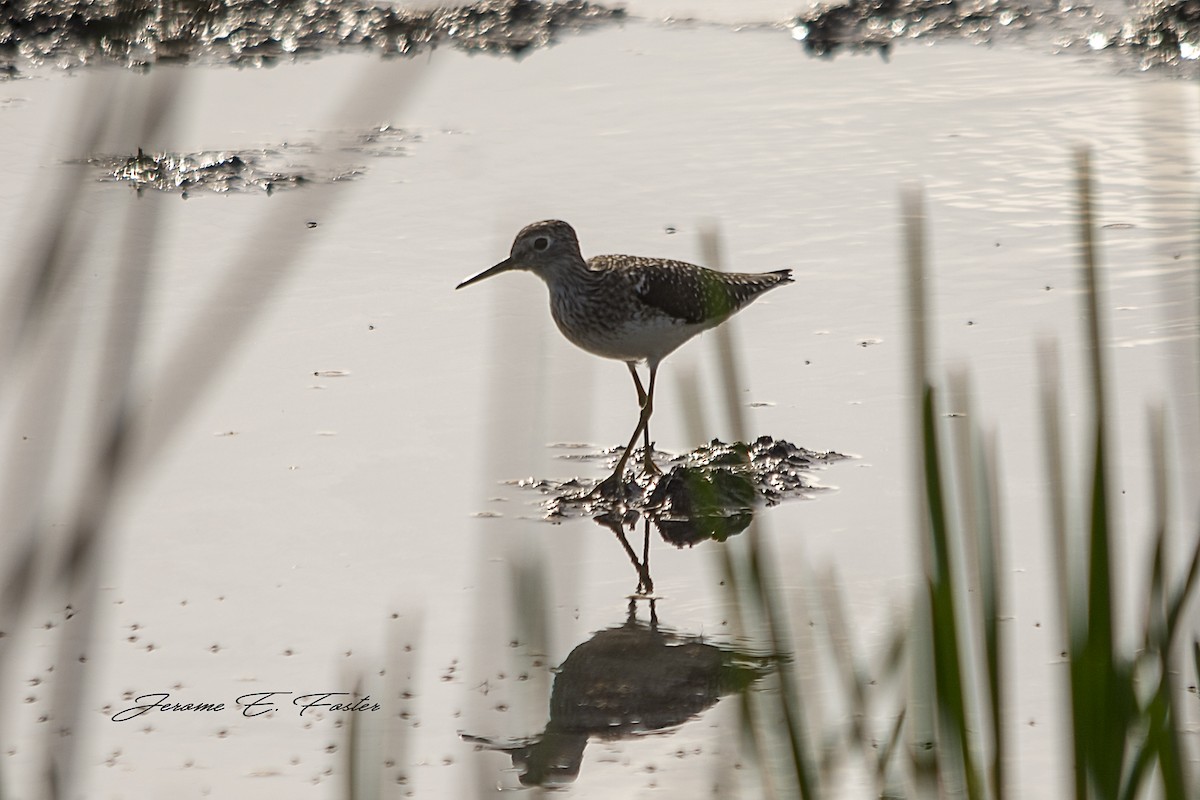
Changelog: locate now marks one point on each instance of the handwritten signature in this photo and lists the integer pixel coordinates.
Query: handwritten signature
(253, 704)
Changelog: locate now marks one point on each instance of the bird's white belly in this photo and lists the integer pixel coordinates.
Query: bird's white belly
(641, 340)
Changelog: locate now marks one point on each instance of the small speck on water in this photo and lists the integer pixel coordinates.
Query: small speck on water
(312, 224)
(670, 229)
(331, 373)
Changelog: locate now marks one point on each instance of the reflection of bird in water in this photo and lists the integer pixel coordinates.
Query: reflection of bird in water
(628, 307)
(629, 680)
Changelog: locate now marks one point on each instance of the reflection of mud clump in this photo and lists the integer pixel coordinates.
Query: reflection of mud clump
(209, 172)
(875, 24)
(692, 505)
(135, 32)
(1168, 33)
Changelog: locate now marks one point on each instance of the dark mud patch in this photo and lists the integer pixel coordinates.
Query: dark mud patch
(246, 171)
(1163, 34)
(139, 32)
(1167, 33)
(218, 172)
(875, 25)
(706, 489)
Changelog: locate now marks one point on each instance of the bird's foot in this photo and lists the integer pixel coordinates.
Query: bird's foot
(649, 467)
(611, 488)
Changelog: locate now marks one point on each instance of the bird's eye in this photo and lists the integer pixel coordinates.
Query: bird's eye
(541, 243)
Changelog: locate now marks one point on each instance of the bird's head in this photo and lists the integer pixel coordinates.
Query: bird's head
(540, 248)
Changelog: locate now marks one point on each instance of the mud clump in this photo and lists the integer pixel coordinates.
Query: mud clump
(717, 480)
(249, 171)
(184, 173)
(141, 32)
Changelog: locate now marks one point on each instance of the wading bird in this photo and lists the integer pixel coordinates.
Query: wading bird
(629, 308)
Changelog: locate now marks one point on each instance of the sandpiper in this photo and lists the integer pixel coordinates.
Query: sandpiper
(629, 308)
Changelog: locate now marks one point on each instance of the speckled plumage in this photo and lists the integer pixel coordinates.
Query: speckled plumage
(629, 308)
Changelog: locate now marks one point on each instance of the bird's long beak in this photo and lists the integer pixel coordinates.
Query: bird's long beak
(503, 266)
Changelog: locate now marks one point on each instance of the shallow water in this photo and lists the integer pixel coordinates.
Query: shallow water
(340, 498)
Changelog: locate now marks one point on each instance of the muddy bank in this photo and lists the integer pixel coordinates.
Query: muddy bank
(1162, 34)
(141, 33)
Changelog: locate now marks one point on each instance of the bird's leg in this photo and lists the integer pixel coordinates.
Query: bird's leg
(637, 382)
(619, 472)
(611, 483)
(648, 409)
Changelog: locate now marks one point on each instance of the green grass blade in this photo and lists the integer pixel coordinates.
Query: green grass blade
(791, 702)
(948, 666)
(1096, 670)
(991, 593)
